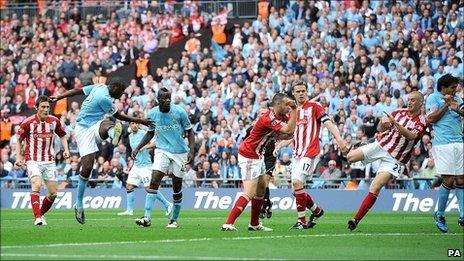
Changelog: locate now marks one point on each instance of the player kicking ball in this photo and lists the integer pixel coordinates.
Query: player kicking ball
(250, 159)
(92, 129)
(38, 133)
(141, 172)
(399, 133)
(171, 124)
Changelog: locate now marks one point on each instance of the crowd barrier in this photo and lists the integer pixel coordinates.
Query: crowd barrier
(217, 199)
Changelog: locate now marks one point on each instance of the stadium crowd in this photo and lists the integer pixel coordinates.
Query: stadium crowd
(359, 59)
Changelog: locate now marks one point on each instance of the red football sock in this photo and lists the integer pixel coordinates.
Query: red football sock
(301, 201)
(238, 208)
(35, 202)
(256, 204)
(46, 205)
(311, 205)
(367, 203)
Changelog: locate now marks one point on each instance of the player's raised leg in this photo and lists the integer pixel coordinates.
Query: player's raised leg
(110, 129)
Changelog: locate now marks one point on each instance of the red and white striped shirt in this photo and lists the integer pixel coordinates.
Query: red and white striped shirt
(309, 117)
(396, 144)
(264, 128)
(39, 137)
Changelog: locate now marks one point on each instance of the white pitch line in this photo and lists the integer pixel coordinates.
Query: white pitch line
(126, 257)
(181, 240)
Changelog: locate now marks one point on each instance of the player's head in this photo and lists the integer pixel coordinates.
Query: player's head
(280, 104)
(299, 91)
(135, 126)
(42, 106)
(415, 102)
(448, 84)
(164, 99)
(116, 87)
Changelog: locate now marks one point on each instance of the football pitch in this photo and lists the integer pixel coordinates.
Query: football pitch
(388, 236)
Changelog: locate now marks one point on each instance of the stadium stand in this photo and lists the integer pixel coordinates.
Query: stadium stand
(359, 59)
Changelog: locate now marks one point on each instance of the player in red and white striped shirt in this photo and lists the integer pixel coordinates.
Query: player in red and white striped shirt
(400, 132)
(38, 133)
(251, 159)
(310, 116)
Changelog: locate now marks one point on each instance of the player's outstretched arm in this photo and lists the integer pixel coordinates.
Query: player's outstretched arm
(384, 125)
(340, 141)
(67, 94)
(409, 135)
(124, 117)
(435, 116)
(146, 139)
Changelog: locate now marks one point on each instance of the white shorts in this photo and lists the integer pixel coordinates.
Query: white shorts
(44, 169)
(303, 168)
(137, 175)
(449, 158)
(164, 161)
(373, 152)
(87, 138)
(250, 169)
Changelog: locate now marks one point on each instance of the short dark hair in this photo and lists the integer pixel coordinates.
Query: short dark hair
(278, 97)
(116, 82)
(40, 99)
(446, 81)
(163, 91)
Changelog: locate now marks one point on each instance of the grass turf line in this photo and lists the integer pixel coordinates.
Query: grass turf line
(105, 236)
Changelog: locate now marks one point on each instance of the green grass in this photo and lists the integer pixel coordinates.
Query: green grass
(388, 236)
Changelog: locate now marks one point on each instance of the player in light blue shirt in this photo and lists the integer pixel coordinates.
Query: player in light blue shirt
(445, 110)
(141, 172)
(172, 126)
(91, 128)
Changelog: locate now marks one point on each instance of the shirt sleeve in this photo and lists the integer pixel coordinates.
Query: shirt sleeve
(23, 129)
(275, 125)
(431, 104)
(184, 120)
(87, 89)
(59, 130)
(319, 113)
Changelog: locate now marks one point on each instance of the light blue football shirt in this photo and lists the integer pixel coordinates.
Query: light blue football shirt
(96, 105)
(449, 128)
(143, 158)
(170, 128)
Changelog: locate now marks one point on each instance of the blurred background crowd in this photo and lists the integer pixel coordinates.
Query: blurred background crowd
(359, 59)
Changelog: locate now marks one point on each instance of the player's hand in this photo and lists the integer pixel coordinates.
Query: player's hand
(449, 99)
(19, 162)
(344, 148)
(134, 153)
(66, 154)
(390, 118)
(291, 103)
(53, 98)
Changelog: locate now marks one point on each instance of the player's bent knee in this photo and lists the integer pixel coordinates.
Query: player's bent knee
(354, 156)
(52, 195)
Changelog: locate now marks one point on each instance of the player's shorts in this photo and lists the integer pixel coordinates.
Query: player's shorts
(449, 158)
(303, 168)
(137, 175)
(44, 169)
(87, 138)
(250, 169)
(164, 161)
(373, 152)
